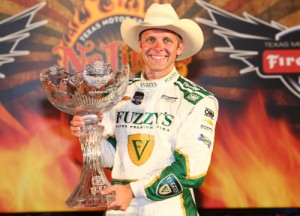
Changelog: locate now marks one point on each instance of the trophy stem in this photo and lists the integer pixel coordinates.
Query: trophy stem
(92, 178)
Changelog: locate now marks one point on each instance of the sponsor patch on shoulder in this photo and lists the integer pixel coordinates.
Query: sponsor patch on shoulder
(169, 98)
(192, 97)
(209, 113)
(206, 128)
(208, 121)
(205, 140)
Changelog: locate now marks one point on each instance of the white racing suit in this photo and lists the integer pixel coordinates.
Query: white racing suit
(159, 139)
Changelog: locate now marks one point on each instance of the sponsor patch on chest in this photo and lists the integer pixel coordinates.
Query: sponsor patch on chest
(140, 147)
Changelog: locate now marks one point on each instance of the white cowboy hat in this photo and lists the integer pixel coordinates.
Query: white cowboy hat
(163, 16)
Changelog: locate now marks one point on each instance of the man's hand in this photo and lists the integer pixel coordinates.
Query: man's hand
(76, 123)
(123, 196)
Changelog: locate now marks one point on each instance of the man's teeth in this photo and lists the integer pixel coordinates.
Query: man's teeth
(158, 57)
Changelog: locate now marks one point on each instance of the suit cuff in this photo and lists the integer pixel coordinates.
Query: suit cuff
(138, 189)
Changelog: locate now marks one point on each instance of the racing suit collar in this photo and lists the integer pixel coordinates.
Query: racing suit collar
(158, 83)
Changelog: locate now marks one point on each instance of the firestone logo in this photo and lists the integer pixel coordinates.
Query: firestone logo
(282, 57)
(281, 61)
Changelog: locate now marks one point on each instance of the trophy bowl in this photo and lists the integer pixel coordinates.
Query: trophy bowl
(88, 93)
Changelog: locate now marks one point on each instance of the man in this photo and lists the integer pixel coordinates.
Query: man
(164, 134)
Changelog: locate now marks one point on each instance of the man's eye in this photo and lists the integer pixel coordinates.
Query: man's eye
(168, 40)
(150, 40)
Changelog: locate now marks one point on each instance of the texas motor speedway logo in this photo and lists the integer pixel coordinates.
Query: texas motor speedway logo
(269, 49)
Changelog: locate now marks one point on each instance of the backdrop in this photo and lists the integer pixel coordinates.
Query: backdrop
(250, 60)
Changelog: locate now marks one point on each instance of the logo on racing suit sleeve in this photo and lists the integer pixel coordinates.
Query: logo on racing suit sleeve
(137, 98)
(205, 140)
(169, 186)
(209, 113)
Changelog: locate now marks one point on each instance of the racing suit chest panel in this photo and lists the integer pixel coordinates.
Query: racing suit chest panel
(147, 131)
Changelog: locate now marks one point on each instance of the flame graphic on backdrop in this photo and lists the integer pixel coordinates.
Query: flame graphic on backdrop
(255, 162)
(37, 172)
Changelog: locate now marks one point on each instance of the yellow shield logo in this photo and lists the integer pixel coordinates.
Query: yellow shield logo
(140, 147)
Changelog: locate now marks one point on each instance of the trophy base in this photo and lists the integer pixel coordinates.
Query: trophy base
(92, 202)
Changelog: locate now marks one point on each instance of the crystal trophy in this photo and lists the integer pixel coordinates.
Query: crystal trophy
(88, 93)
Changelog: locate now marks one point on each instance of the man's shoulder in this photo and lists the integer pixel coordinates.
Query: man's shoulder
(191, 91)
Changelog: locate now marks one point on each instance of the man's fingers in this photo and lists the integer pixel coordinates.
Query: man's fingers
(106, 191)
(112, 205)
(115, 206)
(77, 121)
(75, 130)
(75, 125)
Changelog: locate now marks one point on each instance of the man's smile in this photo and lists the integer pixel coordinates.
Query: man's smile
(157, 58)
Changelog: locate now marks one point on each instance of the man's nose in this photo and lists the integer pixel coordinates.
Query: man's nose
(158, 44)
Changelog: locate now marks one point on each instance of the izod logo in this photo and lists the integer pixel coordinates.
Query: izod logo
(148, 85)
(169, 186)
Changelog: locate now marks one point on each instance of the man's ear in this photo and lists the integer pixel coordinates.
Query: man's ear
(140, 44)
(180, 49)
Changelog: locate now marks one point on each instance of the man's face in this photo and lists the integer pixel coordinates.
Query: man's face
(159, 49)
